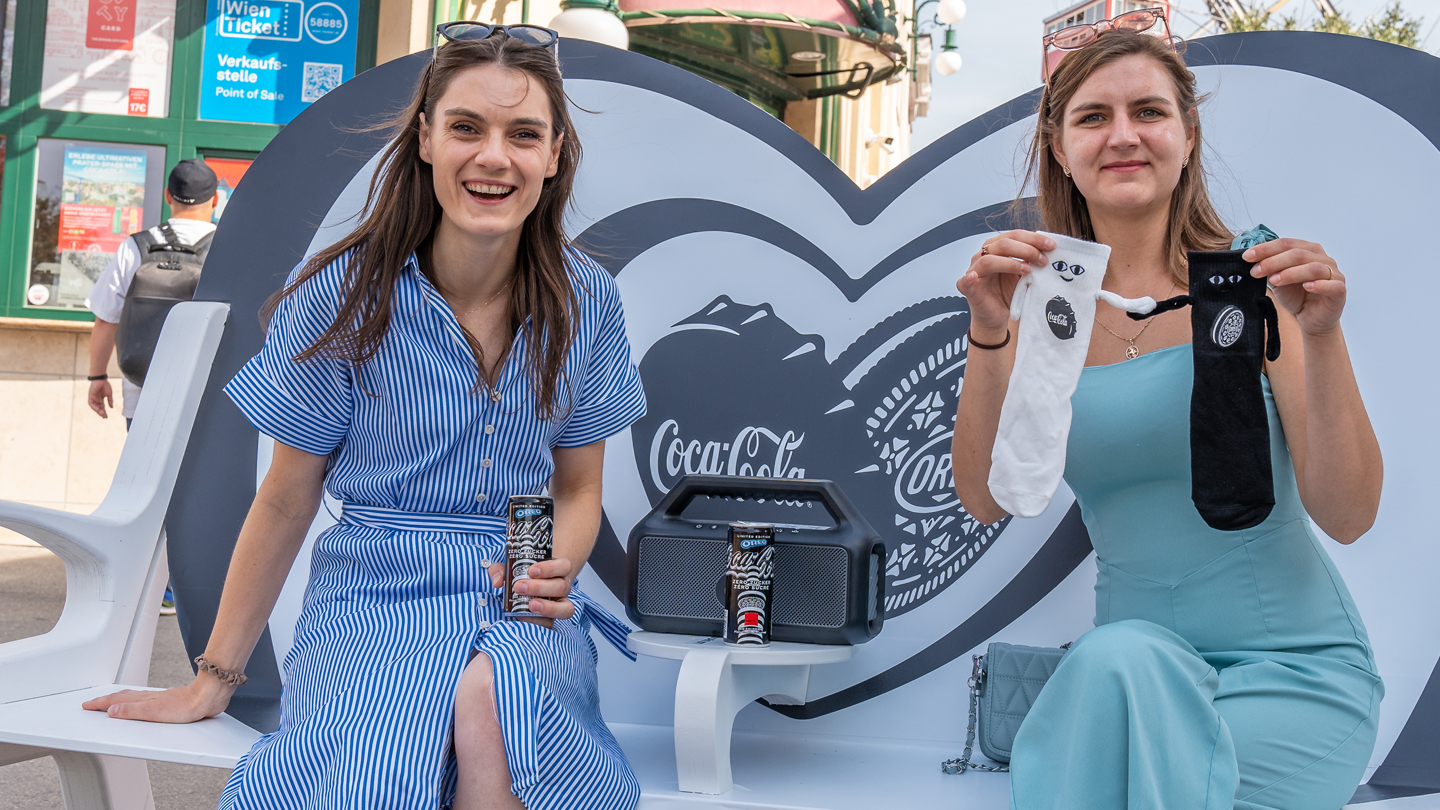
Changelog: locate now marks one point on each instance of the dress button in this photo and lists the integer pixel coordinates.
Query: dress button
(485, 462)
(480, 497)
(489, 429)
(485, 626)
(481, 599)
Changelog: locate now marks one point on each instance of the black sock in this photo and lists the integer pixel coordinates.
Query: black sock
(1235, 329)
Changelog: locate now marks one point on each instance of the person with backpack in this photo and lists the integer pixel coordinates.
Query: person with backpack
(151, 272)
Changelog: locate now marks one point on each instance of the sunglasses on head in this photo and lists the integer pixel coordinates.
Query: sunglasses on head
(1076, 37)
(469, 31)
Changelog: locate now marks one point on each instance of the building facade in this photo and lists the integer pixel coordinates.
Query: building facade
(100, 98)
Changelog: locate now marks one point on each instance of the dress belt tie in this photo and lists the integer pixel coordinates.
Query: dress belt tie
(384, 517)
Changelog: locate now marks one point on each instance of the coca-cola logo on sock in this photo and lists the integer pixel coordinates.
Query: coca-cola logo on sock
(1061, 317)
(735, 390)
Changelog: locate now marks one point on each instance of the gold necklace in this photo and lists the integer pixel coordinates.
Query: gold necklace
(1131, 352)
(488, 302)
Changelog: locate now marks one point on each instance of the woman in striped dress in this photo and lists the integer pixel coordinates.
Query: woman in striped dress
(451, 352)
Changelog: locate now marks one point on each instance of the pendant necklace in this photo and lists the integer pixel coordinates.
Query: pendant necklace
(1131, 351)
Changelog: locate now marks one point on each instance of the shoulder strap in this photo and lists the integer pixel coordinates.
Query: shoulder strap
(144, 241)
(172, 239)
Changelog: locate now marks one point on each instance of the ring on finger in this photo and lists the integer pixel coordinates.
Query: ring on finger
(984, 250)
(1332, 273)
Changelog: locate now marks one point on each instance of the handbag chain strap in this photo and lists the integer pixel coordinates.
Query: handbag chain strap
(956, 766)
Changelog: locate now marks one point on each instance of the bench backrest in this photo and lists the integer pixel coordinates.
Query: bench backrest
(719, 222)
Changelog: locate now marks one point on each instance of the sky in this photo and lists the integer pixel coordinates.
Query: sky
(999, 41)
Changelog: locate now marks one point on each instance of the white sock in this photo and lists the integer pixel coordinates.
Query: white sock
(1055, 307)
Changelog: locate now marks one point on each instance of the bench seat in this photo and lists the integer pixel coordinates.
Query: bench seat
(57, 722)
(773, 771)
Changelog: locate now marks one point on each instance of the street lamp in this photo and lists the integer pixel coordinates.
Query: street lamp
(948, 62)
(595, 20)
(947, 13)
(951, 11)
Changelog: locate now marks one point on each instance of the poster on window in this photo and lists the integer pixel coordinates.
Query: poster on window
(108, 56)
(89, 198)
(267, 60)
(228, 172)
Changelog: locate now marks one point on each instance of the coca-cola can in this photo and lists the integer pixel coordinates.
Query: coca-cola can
(750, 576)
(529, 539)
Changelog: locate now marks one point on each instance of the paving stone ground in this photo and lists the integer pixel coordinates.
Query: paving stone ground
(32, 594)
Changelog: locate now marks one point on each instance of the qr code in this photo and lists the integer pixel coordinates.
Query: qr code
(320, 79)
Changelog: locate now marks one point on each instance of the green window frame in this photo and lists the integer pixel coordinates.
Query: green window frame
(23, 124)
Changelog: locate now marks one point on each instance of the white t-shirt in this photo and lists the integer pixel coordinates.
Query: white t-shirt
(107, 298)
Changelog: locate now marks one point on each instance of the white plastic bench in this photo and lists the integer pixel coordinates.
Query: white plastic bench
(115, 576)
(116, 571)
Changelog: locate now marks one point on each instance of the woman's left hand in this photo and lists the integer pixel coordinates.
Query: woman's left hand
(1305, 279)
(548, 585)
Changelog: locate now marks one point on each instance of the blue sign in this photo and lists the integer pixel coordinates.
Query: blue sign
(267, 60)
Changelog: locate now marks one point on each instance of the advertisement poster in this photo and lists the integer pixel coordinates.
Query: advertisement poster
(102, 201)
(267, 60)
(89, 198)
(228, 171)
(108, 56)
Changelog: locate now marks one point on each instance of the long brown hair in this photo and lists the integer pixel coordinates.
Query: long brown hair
(401, 212)
(1193, 223)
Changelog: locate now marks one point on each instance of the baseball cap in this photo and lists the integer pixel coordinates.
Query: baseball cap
(192, 182)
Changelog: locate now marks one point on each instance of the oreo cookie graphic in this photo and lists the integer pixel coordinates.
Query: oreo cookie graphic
(1061, 317)
(877, 421)
(1228, 327)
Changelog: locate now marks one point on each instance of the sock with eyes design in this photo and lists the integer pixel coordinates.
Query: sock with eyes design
(1055, 308)
(1236, 328)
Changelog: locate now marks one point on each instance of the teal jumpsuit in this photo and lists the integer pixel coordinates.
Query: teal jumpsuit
(1226, 669)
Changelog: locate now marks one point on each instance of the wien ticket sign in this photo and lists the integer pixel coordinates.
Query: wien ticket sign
(267, 60)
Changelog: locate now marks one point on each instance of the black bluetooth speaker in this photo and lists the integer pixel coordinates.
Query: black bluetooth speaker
(829, 579)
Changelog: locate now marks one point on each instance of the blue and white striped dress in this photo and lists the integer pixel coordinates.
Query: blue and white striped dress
(398, 596)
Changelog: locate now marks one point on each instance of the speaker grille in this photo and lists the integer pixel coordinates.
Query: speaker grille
(677, 578)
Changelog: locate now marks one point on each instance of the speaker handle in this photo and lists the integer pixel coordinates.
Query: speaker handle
(841, 510)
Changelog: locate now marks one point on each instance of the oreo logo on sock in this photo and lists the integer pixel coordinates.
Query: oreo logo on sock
(1229, 325)
(1061, 317)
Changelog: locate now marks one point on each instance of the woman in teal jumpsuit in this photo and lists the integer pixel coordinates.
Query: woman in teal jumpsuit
(1226, 668)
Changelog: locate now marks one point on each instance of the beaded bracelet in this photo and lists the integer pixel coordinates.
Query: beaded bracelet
(226, 676)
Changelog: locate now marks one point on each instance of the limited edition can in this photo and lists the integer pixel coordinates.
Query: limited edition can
(529, 539)
(751, 574)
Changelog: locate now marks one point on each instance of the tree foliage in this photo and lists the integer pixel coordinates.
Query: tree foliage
(1392, 25)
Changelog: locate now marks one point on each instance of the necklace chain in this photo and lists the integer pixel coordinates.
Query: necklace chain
(488, 301)
(1132, 351)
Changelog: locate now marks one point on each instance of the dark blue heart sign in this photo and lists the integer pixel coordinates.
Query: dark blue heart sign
(787, 323)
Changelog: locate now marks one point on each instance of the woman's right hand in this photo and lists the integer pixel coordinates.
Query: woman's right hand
(206, 696)
(990, 282)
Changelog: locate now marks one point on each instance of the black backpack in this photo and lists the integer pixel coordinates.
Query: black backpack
(167, 275)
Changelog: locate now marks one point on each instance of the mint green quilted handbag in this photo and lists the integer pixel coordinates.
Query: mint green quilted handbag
(1005, 682)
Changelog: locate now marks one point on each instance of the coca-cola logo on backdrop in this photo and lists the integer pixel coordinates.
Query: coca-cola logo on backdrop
(735, 390)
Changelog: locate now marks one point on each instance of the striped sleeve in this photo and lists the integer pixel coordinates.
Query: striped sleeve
(306, 405)
(609, 396)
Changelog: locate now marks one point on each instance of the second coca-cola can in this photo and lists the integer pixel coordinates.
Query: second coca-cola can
(751, 575)
(529, 539)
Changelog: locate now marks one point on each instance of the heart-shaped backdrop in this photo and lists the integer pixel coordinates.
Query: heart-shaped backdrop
(748, 262)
